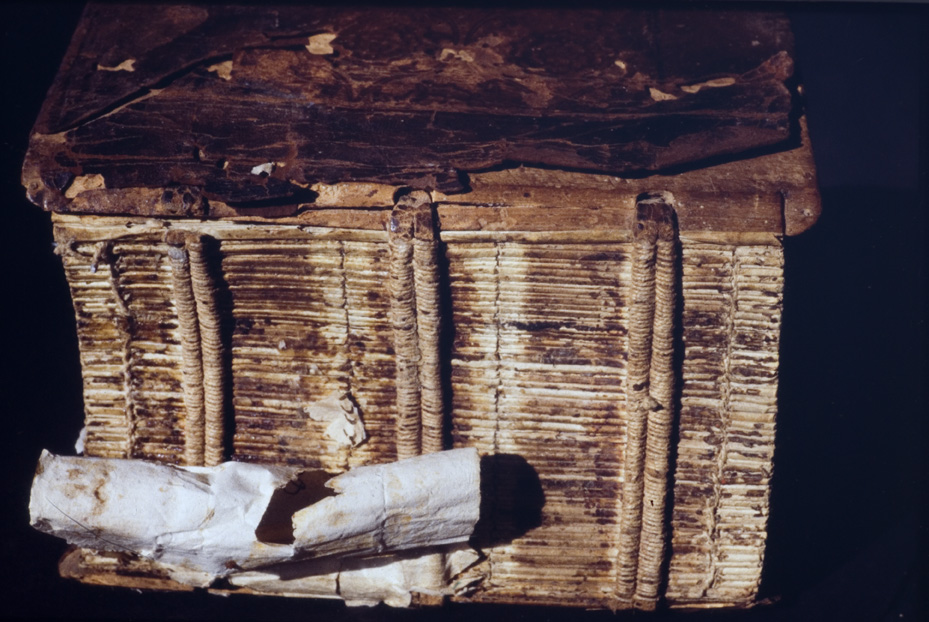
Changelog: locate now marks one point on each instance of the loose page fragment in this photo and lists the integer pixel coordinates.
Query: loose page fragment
(345, 425)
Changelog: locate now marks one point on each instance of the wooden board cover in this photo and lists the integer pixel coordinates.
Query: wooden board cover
(250, 106)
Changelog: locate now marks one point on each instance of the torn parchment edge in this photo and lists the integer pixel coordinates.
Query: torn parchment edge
(198, 523)
(341, 413)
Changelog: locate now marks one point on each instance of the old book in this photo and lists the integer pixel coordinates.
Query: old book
(328, 238)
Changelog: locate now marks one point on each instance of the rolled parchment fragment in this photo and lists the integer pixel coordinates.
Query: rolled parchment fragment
(419, 502)
(203, 520)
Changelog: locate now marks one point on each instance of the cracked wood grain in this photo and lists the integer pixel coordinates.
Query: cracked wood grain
(416, 97)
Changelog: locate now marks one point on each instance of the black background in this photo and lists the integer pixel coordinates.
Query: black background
(847, 526)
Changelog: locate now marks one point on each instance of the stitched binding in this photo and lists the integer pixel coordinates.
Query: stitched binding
(649, 398)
